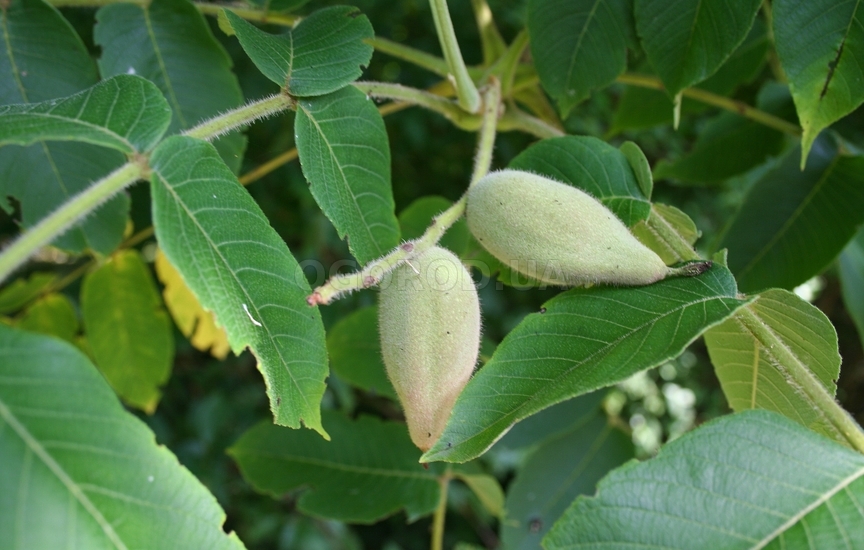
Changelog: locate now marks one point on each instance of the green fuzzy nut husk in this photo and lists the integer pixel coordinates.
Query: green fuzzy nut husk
(429, 321)
(556, 233)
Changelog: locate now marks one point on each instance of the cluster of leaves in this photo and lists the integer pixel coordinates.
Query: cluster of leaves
(162, 104)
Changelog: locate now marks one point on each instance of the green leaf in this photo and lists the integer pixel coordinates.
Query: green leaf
(218, 238)
(417, 216)
(368, 472)
(169, 43)
(345, 156)
(593, 166)
(487, 489)
(728, 145)
(355, 352)
(53, 315)
(128, 330)
(667, 223)
(794, 223)
(127, 113)
(20, 292)
(753, 377)
(323, 53)
(641, 108)
(747, 480)
(78, 470)
(686, 41)
(43, 59)
(852, 280)
(640, 166)
(821, 47)
(577, 46)
(551, 423)
(582, 340)
(562, 468)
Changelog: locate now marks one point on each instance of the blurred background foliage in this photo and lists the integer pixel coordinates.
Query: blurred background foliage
(208, 404)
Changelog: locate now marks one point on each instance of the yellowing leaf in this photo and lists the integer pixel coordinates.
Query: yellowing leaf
(195, 322)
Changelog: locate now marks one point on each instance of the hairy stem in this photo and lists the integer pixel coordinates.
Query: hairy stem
(703, 96)
(486, 143)
(440, 514)
(373, 272)
(803, 378)
(236, 118)
(70, 212)
(436, 103)
(466, 91)
(509, 63)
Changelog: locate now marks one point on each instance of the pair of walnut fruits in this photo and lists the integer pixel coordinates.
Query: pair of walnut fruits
(429, 312)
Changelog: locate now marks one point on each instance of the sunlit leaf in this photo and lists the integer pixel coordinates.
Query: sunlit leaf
(53, 315)
(667, 223)
(128, 330)
(19, 292)
(194, 322)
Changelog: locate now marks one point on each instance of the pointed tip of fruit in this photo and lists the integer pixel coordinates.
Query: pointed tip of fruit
(692, 269)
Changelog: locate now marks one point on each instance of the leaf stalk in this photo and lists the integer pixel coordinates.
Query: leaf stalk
(70, 212)
(803, 378)
(466, 91)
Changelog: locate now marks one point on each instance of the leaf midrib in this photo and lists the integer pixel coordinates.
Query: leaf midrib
(55, 468)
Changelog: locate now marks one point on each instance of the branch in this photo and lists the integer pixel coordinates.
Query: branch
(236, 118)
(739, 107)
(75, 209)
(436, 103)
(486, 143)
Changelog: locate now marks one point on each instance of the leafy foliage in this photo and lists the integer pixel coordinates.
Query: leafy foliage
(322, 54)
(91, 100)
(217, 237)
(713, 482)
(79, 469)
